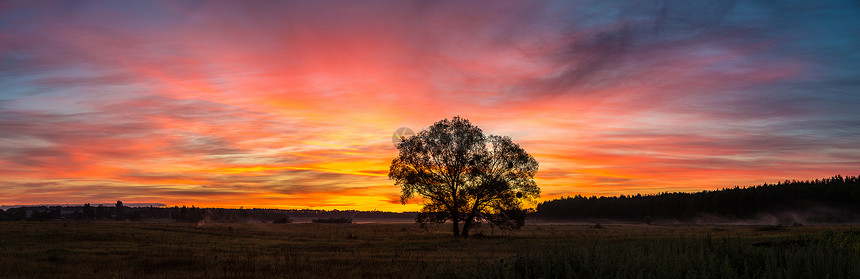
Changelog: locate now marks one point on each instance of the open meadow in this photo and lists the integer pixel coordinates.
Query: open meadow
(104, 249)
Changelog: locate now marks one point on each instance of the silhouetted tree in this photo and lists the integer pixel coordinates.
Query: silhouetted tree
(77, 215)
(835, 199)
(135, 215)
(88, 211)
(37, 215)
(119, 211)
(100, 212)
(463, 175)
(16, 214)
(55, 212)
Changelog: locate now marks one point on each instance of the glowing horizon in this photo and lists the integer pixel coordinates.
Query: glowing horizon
(292, 105)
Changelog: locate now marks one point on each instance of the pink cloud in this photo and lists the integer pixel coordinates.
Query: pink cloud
(294, 104)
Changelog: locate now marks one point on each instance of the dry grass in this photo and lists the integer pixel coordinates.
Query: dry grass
(254, 250)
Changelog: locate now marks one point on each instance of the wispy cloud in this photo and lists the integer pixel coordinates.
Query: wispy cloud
(291, 104)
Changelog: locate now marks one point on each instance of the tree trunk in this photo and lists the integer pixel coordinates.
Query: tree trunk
(467, 224)
(455, 212)
(455, 219)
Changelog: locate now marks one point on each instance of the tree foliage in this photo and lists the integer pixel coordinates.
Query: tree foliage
(463, 175)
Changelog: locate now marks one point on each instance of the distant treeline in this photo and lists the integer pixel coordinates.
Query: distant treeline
(835, 199)
(182, 214)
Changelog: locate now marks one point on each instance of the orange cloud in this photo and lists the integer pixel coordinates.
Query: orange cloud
(293, 104)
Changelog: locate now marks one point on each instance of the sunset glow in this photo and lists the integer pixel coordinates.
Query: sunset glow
(293, 104)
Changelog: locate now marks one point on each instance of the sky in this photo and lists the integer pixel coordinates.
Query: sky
(292, 104)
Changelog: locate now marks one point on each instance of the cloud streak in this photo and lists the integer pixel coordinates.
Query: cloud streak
(292, 104)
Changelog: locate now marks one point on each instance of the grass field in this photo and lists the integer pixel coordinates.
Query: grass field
(60, 249)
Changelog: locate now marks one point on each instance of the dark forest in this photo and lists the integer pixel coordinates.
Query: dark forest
(829, 200)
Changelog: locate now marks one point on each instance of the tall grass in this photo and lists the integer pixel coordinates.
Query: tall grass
(258, 250)
(824, 255)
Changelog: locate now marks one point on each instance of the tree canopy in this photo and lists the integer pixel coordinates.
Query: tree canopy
(463, 175)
